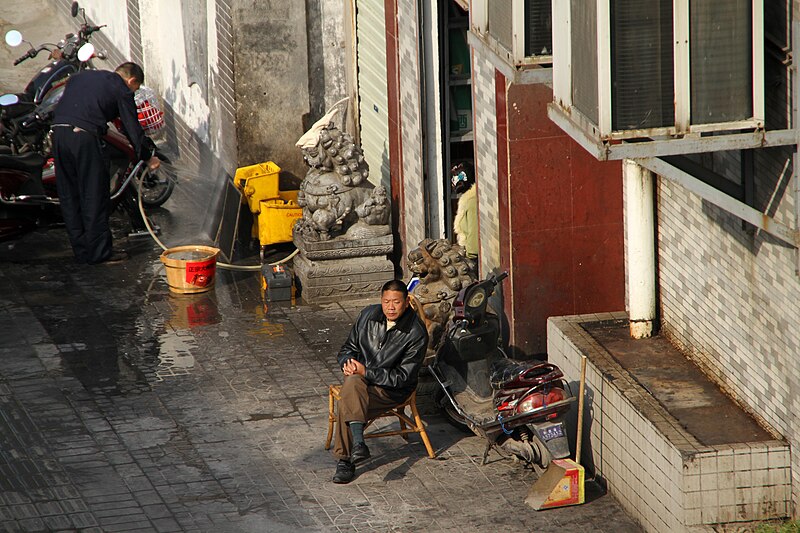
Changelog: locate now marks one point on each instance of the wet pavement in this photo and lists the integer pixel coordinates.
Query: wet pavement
(125, 407)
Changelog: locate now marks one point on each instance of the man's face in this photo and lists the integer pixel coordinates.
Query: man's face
(394, 304)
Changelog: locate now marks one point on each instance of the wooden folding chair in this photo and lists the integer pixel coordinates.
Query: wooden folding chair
(407, 424)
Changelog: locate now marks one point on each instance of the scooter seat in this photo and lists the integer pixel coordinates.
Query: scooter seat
(510, 374)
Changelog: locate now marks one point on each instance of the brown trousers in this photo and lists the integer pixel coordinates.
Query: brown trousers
(359, 403)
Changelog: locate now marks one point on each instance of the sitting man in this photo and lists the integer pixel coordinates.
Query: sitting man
(380, 361)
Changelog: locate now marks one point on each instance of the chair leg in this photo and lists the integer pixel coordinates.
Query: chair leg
(331, 421)
(421, 430)
(403, 427)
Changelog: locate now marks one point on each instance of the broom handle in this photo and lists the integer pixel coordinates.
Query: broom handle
(579, 437)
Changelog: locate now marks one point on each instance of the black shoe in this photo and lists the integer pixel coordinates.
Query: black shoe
(345, 472)
(359, 453)
(117, 256)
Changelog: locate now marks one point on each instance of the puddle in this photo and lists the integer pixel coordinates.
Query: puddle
(175, 355)
(193, 311)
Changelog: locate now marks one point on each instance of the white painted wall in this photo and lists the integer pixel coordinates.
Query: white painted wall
(115, 16)
(165, 62)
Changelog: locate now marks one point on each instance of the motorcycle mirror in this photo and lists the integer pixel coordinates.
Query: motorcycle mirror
(74, 9)
(9, 99)
(13, 38)
(86, 52)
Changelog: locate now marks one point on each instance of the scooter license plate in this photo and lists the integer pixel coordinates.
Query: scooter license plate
(552, 432)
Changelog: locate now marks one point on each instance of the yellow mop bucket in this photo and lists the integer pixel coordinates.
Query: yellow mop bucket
(190, 269)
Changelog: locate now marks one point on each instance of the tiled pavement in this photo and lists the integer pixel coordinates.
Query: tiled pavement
(124, 407)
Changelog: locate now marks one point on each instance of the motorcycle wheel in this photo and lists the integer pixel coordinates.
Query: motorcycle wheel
(451, 415)
(157, 187)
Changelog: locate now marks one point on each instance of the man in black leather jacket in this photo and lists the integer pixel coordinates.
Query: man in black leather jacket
(380, 361)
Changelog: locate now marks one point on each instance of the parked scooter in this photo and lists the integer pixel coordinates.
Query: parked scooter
(24, 124)
(518, 407)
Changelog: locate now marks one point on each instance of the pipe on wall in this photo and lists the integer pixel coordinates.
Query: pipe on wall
(640, 248)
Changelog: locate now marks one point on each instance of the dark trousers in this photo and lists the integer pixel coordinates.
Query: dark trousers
(83, 186)
(359, 403)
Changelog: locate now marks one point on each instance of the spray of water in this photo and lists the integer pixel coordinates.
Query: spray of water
(180, 173)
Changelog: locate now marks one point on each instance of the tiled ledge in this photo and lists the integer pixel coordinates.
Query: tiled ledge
(661, 474)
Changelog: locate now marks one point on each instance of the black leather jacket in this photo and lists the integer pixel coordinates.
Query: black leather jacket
(392, 359)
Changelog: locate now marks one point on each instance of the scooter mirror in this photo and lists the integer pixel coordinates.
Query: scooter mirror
(9, 99)
(86, 52)
(13, 38)
(74, 9)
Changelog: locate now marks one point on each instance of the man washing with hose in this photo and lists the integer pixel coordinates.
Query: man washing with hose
(91, 99)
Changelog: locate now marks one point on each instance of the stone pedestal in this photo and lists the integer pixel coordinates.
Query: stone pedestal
(328, 271)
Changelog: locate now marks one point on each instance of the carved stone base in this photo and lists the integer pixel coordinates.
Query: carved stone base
(342, 247)
(331, 280)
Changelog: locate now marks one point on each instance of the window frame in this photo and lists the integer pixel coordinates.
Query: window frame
(562, 84)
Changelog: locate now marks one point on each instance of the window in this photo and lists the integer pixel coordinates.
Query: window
(628, 69)
(518, 30)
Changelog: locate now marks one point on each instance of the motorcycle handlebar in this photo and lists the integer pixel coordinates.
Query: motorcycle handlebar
(30, 53)
(88, 30)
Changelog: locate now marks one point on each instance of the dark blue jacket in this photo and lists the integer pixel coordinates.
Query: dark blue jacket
(93, 98)
(392, 358)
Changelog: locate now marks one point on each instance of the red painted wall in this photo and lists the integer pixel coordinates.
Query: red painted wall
(565, 236)
(395, 145)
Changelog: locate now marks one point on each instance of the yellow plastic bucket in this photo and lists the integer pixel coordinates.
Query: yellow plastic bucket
(190, 269)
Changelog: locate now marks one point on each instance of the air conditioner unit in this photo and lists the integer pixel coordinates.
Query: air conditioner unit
(643, 69)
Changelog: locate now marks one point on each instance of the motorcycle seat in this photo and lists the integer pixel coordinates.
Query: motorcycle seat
(31, 162)
(511, 374)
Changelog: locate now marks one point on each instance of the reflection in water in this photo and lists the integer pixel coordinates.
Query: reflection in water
(175, 356)
(190, 311)
(176, 341)
(266, 326)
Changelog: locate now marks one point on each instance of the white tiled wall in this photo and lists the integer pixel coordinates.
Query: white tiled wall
(660, 473)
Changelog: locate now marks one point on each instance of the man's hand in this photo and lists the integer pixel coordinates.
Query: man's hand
(154, 163)
(351, 367)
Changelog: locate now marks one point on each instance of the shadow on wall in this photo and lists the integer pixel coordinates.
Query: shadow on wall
(769, 169)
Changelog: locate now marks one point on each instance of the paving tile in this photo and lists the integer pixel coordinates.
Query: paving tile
(233, 439)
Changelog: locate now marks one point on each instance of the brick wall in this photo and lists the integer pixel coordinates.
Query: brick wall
(410, 127)
(729, 295)
(660, 473)
(485, 131)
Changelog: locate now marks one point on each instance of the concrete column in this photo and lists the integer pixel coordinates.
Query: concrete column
(640, 248)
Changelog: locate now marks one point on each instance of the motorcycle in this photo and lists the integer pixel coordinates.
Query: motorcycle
(67, 57)
(28, 196)
(25, 118)
(518, 407)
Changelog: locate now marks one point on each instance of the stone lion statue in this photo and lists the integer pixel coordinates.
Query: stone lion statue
(443, 270)
(335, 195)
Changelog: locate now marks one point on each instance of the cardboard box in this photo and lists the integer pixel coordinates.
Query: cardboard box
(560, 485)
